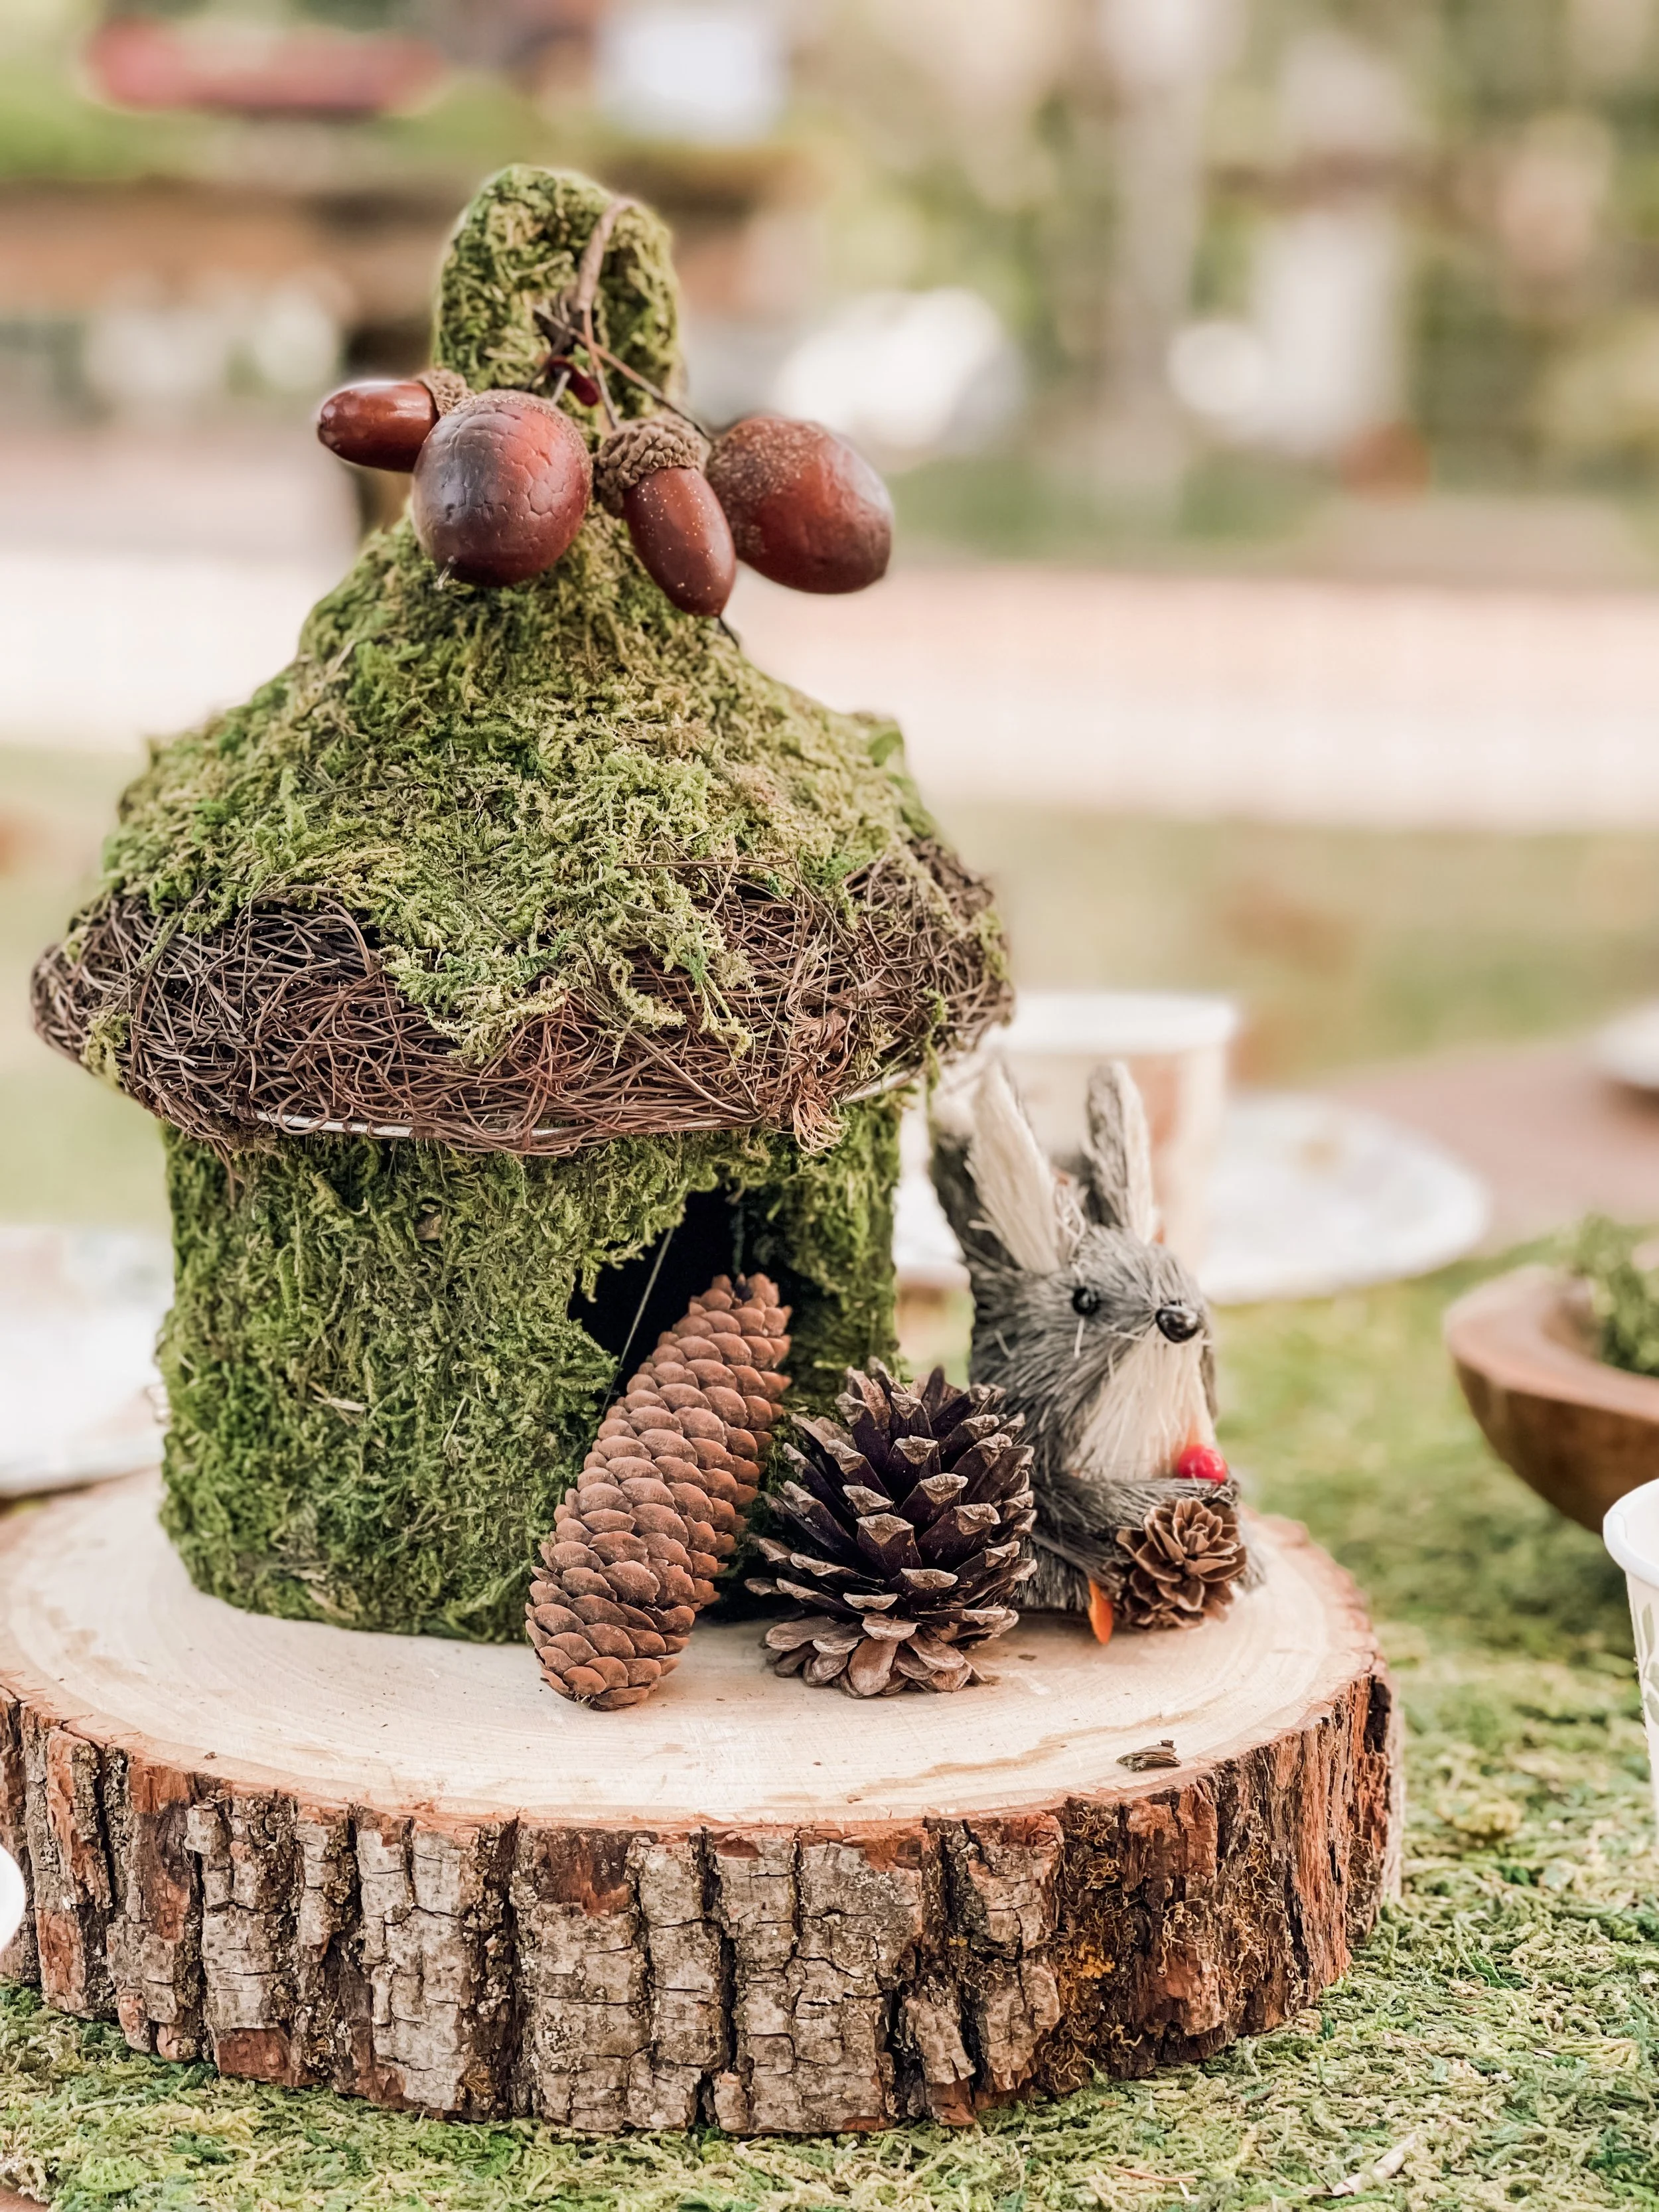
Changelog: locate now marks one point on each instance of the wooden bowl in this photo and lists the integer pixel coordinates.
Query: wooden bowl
(1580, 1432)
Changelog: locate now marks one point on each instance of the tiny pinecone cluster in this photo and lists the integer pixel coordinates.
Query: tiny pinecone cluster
(661, 1499)
(1182, 1565)
(902, 1535)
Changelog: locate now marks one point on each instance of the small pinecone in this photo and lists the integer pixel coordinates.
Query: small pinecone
(636, 450)
(1184, 1562)
(661, 1499)
(902, 1535)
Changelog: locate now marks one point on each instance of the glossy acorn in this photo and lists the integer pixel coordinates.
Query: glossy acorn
(683, 539)
(501, 488)
(805, 509)
(650, 473)
(380, 423)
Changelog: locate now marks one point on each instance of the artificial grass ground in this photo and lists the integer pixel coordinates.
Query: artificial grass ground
(1493, 2046)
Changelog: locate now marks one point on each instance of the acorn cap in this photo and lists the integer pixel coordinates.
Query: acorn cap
(635, 451)
(447, 388)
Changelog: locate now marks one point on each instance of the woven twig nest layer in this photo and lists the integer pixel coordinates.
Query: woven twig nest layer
(286, 1018)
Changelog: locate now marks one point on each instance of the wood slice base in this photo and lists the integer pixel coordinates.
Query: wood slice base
(404, 1868)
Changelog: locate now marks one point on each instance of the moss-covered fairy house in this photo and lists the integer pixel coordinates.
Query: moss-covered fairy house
(514, 961)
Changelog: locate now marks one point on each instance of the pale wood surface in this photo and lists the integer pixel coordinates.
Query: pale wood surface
(403, 1866)
(1580, 1432)
(100, 1614)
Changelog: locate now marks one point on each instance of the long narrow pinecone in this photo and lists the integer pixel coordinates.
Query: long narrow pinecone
(1184, 1562)
(661, 1499)
(902, 1536)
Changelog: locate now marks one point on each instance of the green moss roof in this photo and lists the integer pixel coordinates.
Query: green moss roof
(520, 791)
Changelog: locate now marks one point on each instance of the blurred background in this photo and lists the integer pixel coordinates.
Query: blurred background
(1270, 394)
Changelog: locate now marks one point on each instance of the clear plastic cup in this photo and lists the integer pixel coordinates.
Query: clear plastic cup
(1631, 1532)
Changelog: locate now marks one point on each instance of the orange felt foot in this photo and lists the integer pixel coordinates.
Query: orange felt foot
(1101, 1617)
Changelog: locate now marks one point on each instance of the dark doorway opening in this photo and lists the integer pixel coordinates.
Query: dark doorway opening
(634, 1302)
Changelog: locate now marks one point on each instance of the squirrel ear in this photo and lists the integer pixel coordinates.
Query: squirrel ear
(950, 1125)
(1022, 1201)
(1118, 1153)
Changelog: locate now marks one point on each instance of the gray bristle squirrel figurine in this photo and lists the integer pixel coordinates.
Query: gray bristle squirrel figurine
(1101, 1338)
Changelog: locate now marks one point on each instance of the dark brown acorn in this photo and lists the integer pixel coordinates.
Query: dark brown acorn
(382, 423)
(650, 472)
(501, 488)
(805, 509)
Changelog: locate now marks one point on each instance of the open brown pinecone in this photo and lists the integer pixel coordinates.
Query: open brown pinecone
(902, 1536)
(661, 1499)
(1184, 1562)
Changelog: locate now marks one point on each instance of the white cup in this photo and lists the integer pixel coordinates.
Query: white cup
(13, 1898)
(1631, 1532)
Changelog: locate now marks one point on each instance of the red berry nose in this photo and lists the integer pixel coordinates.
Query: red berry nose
(1201, 1463)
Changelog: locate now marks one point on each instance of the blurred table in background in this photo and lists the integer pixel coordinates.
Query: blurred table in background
(145, 580)
(1272, 697)
(137, 597)
(1551, 1137)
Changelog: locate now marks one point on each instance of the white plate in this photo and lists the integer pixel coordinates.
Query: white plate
(1310, 1197)
(80, 1397)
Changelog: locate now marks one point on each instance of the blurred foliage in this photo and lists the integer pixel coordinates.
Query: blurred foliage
(1527, 186)
(1524, 177)
(1615, 1263)
(984, 162)
(50, 130)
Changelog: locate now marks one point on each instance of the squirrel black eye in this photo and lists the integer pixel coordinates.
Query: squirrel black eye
(1085, 1299)
(1180, 1324)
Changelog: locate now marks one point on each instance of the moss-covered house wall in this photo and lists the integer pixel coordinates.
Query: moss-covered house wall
(387, 1355)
